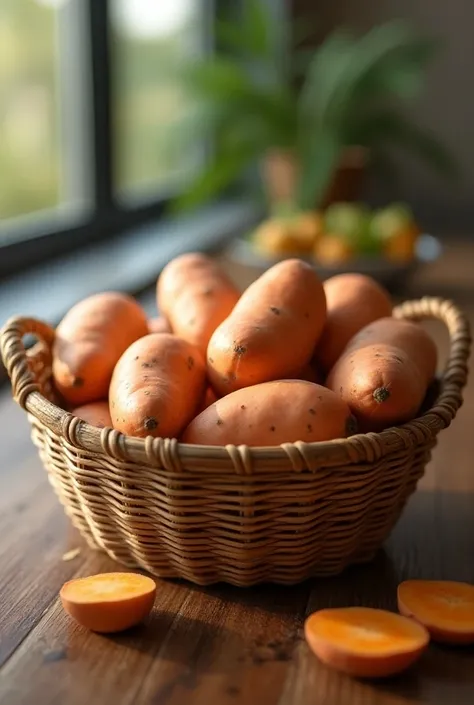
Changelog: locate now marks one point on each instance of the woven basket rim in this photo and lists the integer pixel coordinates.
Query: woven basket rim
(173, 455)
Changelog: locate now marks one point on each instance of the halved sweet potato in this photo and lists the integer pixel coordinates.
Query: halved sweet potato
(444, 607)
(365, 642)
(109, 602)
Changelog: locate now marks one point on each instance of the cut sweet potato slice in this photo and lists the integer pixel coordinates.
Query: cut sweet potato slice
(109, 602)
(365, 642)
(444, 607)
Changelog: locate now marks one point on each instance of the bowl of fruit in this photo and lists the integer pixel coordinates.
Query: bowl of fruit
(387, 243)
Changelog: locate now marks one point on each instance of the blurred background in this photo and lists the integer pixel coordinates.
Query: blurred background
(131, 130)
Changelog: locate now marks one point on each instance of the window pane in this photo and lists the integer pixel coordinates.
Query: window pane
(29, 150)
(149, 38)
(43, 114)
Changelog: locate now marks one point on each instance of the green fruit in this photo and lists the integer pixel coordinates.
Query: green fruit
(388, 222)
(352, 222)
(285, 211)
(348, 219)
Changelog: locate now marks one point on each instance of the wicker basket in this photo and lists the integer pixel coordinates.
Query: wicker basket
(235, 514)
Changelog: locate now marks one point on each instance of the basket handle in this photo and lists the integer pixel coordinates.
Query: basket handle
(15, 357)
(456, 369)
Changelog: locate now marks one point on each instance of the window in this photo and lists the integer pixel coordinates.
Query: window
(87, 91)
(149, 40)
(30, 164)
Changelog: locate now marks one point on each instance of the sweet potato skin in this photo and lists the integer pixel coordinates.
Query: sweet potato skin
(89, 340)
(156, 386)
(380, 384)
(195, 295)
(310, 373)
(272, 330)
(209, 397)
(96, 414)
(159, 324)
(262, 416)
(353, 301)
(405, 335)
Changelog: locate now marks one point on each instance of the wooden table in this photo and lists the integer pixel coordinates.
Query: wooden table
(222, 645)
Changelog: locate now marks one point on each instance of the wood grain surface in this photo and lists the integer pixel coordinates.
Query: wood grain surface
(223, 645)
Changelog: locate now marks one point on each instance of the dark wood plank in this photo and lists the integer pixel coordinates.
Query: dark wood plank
(212, 644)
(34, 533)
(224, 645)
(69, 665)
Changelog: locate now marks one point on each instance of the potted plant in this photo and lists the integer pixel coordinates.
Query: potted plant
(312, 138)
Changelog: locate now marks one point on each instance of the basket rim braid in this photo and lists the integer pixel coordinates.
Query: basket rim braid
(173, 455)
(240, 515)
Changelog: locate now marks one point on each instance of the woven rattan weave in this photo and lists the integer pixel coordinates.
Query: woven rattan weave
(235, 514)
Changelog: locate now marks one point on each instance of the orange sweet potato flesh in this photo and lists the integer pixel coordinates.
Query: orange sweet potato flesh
(406, 335)
(381, 385)
(353, 301)
(365, 642)
(272, 330)
(159, 324)
(271, 413)
(444, 607)
(109, 602)
(89, 340)
(156, 386)
(96, 414)
(195, 296)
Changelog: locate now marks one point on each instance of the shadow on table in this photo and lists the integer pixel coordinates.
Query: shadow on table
(443, 675)
(224, 629)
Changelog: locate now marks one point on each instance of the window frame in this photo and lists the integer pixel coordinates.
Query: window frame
(39, 237)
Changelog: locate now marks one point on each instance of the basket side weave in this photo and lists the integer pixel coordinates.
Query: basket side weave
(242, 515)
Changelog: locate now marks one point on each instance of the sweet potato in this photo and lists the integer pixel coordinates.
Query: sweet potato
(405, 335)
(353, 301)
(365, 642)
(272, 413)
(96, 414)
(209, 397)
(159, 324)
(195, 295)
(381, 385)
(89, 341)
(271, 332)
(156, 386)
(444, 607)
(109, 602)
(310, 373)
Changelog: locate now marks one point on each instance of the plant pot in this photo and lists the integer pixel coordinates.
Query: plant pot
(280, 173)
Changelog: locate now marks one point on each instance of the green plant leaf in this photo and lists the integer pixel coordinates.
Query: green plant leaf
(388, 126)
(301, 60)
(216, 78)
(231, 36)
(325, 73)
(226, 86)
(319, 157)
(402, 73)
(219, 174)
(251, 32)
(302, 30)
(380, 64)
(258, 26)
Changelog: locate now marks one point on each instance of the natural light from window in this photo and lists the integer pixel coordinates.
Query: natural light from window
(149, 41)
(30, 164)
